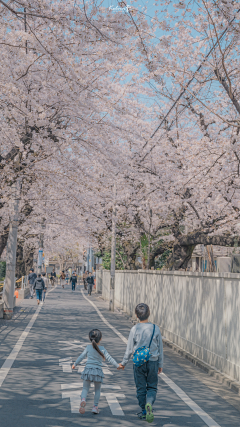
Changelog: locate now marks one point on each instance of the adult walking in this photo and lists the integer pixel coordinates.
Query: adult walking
(53, 277)
(45, 279)
(73, 279)
(39, 285)
(90, 282)
(31, 279)
(62, 279)
(67, 277)
(85, 275)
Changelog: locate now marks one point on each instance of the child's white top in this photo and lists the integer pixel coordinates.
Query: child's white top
(93, 357)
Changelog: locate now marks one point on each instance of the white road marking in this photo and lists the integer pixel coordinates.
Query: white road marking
(189, 402)
(180, 393)
(66, 365)
(14, 353)
(106, 371)
(105, 320)
(114, 404)
(66, 359)
(71, 345)
(75, 399)
(80, 384)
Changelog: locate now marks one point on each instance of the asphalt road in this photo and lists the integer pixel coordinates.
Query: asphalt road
(38, 387)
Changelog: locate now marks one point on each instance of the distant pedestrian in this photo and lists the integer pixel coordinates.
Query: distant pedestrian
(93, 370)
(62, 279)
(67, 277)
(85, 275)
(145, 343)
(90, 283)
(39, 285)
(73, 280)
(31, 279)
(53, 277)
(46, 281)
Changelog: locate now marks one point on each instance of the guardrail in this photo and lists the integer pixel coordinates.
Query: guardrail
(1, 289)
(21, 283)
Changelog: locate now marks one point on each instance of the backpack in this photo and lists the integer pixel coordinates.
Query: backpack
(142, 354)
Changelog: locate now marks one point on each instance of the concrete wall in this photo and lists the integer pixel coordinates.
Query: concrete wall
(200, 312)
(23, 293)
(99, 281)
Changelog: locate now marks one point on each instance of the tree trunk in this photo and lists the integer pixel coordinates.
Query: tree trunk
(131, 251)
(180, 257)
(3, 239)
(28, 255)
(20, 263)
(183, 246)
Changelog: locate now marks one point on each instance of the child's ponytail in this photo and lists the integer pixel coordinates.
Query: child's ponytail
(95, 336)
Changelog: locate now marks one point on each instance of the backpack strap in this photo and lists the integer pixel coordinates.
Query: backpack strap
(152, 336)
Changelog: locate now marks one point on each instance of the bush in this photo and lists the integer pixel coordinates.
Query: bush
(119, 259)
(2, 270)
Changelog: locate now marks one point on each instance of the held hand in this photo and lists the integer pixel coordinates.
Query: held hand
(120, 366)
(160, 370)
(73, 366)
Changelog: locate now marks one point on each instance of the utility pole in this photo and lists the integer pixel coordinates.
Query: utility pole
(40, 253)
(113, 250)
(9, 286)
(40, 249)
(149, 237)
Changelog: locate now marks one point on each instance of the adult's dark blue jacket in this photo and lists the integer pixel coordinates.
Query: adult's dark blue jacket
(32, 277)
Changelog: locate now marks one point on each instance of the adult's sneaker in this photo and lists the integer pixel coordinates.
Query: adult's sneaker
(95, 410)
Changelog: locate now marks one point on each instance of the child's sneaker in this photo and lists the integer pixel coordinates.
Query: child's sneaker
(82, 406)
(149, 416)
(95, 410)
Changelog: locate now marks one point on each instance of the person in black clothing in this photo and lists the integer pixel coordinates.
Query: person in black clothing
(90, 282)
(52, 277)
(39, 285)
(31, 279)
(73, 279)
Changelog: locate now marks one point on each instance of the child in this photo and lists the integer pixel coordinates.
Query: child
(146, 375)
(93, 371)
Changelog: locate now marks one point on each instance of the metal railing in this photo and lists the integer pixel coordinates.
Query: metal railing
(23, 281)
(1, 289)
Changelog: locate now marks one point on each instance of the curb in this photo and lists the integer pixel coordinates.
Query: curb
(208, 369)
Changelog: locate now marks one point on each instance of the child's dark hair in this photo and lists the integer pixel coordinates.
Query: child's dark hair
(95, 336)
(142, 311)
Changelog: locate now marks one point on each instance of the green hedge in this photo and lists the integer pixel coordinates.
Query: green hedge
(2, 270)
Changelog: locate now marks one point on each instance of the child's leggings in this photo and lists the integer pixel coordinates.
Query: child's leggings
(86, 386)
